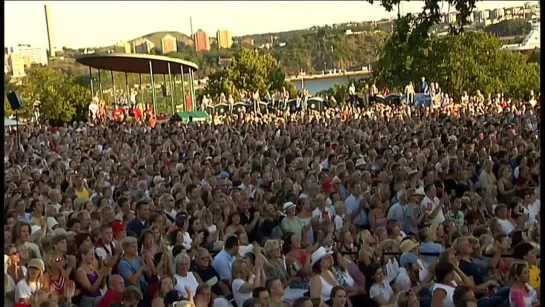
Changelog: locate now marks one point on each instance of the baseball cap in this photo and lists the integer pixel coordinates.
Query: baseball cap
(407, 259)
(37, 264)
(117, 227)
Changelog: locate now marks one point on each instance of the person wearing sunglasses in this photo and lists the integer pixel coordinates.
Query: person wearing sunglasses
(55, 277)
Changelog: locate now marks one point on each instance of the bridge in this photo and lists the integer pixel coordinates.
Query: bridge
(364, 73)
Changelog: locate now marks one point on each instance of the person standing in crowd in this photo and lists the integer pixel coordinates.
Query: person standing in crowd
(409, 92)
(407, 198)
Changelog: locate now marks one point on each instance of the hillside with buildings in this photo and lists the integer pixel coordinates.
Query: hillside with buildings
(346, 46)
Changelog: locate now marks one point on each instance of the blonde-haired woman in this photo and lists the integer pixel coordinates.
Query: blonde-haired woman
(407, 298)
(207, 221)
(185, 279)
(367, 254)
(242, 285)
(89, 279)
(275, 263)
(32, 282)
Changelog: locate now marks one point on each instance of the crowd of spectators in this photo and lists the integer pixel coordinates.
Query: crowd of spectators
(387, 205)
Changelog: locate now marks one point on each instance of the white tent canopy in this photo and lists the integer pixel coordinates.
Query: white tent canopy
(10, 122)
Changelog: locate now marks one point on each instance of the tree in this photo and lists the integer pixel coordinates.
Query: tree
(60, 98)
(470, 61)
(249, 71)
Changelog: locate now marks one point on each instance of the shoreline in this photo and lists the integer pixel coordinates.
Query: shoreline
(328, 76)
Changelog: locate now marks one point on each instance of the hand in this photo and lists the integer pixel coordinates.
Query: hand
(105, 271)
(70, 289)
(256, 215)
(71, 260)
(148, 259)
(189, 295)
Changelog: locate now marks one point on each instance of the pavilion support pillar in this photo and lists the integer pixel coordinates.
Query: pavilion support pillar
(113, 88)
(141, 90)
(128, 94)
(174, 94)
(192, 89)
(171, 93)
(91, 81)
(152, 88)
(100, 85)
(183, 88)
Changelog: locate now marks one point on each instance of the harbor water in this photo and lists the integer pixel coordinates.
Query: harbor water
(317, 85)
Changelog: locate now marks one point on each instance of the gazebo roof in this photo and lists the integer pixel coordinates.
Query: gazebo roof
(136, 63)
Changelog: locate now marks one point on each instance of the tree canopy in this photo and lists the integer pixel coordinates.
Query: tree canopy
(470, 61)
(59, 97)
(249, 71)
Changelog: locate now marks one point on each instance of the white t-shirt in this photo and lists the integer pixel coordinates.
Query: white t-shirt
(318, 212)
(339, 222)
(385, 290)
(429, 205)
(23, 290)
(93, 108)
(190, 281)
(103, 254)
(506, 226)
(402, 281)
(187, 241)
(532, 211)
(239, 297)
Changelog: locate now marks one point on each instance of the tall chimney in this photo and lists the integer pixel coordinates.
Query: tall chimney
(50, 38)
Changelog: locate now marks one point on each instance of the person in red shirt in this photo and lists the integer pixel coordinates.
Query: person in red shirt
(148, 111)
(116, 286)
(137, 114)
(118, 115)
(188, 106)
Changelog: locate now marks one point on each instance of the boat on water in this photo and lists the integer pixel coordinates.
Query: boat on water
(530, 43)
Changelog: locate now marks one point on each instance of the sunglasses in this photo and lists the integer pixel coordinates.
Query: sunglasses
(59, 259)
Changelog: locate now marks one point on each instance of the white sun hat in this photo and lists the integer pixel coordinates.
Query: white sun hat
(319, 254)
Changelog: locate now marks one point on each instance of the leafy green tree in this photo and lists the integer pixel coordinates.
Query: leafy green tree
(249, 71)
(60, 98)
(470, 61)
(535, 57)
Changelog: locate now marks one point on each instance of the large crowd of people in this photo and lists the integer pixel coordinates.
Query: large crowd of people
(386, 205)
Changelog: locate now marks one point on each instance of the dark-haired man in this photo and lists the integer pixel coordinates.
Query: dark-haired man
(140, 222)
(224, 259)
(262, 295)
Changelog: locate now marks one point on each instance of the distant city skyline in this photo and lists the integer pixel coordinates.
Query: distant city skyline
(115, 20)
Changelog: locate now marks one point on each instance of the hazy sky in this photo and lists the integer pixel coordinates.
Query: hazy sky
(80, 24)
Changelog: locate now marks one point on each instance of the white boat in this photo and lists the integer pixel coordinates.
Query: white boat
(530, 43)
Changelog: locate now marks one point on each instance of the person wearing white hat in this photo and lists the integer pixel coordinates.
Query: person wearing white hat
(32, 281)
(291, 223)
(323, 281)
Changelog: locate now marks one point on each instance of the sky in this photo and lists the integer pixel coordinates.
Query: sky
(80, 24)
